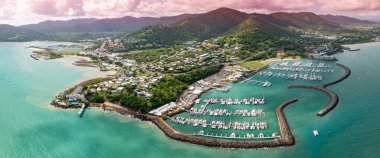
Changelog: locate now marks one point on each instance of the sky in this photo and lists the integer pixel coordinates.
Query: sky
(19, 12)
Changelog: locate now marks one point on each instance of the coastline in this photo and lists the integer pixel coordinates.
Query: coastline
(89, 72)
(286, 139)
(270, 60)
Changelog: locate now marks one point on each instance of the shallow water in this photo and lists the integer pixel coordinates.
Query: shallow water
(29, 128)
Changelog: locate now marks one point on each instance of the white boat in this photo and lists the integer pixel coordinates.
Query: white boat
(233, 135)
(315, 132)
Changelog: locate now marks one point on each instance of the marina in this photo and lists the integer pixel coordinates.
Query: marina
(223, 89)
(226, 112)
(233, 135)
(306, 65)
(235, 101)
(292, 76)
(227, 116)
(256, 82)
(53, 127)
(220, 124)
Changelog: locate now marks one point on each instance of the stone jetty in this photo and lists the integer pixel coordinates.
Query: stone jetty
(287, 138)
(334, 99)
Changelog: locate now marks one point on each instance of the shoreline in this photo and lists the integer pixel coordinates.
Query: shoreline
(286, 139)
(88, 72)
(270, 60)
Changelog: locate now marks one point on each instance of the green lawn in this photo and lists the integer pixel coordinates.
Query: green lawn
(252, 65)
(67, 52)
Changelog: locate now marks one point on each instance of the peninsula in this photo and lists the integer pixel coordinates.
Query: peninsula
(160, 80)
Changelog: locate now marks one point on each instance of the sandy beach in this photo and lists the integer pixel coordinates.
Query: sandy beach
(78, 57)
(267, 61)
(89, 72)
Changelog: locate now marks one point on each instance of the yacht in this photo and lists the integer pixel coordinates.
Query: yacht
(233, 135)
(315, 132)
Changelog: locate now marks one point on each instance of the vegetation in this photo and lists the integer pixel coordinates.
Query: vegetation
(93, 81)
(97, 98)
(166, 91)
(262, 56)
(252, 65)
(163, 92)
(199, 74)
(147, 55)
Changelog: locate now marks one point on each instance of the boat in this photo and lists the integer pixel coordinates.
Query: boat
(261, 135)
(316, 133)
(233, 135)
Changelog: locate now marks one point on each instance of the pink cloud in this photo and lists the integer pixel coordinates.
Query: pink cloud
(353, 5)
(54, 9)
(168, 7)
(109, 7)
(57, 7)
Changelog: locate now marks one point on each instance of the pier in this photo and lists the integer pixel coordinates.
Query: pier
(220, 124)
(81, 111)
(334, 99)
(248, 136)
(254, 82)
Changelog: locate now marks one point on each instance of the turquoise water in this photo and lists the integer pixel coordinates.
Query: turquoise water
(274, 95)
(29, 128)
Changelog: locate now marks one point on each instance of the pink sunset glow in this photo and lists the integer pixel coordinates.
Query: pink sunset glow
(31, 11)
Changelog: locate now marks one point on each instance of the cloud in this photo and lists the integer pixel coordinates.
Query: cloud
(370, 14)
(180, 6)
(36, 10)
(353, 5)
(109, 7)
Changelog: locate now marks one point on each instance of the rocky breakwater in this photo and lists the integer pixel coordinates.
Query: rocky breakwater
(287, 138)
(334, 99)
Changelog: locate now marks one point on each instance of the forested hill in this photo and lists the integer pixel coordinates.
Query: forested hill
(225, 21)
(11, 33)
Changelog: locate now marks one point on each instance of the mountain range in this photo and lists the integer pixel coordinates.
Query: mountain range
(124, 24)
(182, 27)
(11, 33)
(226, 21)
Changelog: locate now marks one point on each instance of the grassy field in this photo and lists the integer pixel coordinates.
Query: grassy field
(67, 52)
(252, 65)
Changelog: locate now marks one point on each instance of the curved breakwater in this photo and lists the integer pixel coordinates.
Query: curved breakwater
(334, 99)
(287, 138)
(347, 72)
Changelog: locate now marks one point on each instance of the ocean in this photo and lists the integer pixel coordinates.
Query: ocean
(30, 128)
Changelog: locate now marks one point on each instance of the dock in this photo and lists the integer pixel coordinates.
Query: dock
(81, 111)
(249, 136)
(35, 58)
